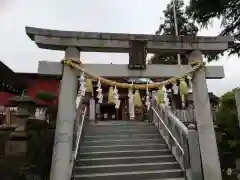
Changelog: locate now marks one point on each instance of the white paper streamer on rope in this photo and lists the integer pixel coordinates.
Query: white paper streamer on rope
(116, 97)
(115, 92)
(175, 88)
(99, 91)
(189, 81)
(118, 102)
(130, 104)
(147, 103)
(82, 89)
(166, 99)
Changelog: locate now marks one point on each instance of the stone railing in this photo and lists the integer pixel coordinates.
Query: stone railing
(182, 140)
(187, 116)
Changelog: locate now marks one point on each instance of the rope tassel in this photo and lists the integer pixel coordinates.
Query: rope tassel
(160, 95)
(183, 90)
(89, 85)
(137, 101)
(111, 99)
(183, 87)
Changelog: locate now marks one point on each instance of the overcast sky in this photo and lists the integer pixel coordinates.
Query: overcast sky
(123, 16)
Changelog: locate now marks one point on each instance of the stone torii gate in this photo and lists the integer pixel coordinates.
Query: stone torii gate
(74, 42)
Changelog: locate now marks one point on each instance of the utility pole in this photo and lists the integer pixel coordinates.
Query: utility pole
(176, 27)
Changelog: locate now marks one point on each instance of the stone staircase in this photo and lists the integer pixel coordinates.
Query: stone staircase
(125, 150)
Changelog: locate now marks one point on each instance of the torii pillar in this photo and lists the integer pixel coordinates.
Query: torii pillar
(204, 120)
(62, 149)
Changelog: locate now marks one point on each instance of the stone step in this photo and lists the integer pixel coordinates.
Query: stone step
(168, 179)
(119, 123)
(121, 136)
(129, 150)
(121, 127)
(134, 175)
(111, 148)
(126, 167)
(129, 141)
(120, 131)
(126, 153)
(124, 160)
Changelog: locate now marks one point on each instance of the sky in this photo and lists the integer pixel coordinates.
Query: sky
(135, 16)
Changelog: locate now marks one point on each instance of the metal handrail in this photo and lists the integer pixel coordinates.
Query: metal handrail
(170, 133)
(79, 135)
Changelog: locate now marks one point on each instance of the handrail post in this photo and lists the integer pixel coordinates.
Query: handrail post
(194, 153)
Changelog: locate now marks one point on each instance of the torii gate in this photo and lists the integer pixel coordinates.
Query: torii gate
(74, 42)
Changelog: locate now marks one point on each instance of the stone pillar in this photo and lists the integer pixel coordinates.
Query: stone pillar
(194, 153)
(62, 150)
(206, 133)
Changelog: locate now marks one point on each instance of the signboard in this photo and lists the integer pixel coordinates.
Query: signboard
(137, 54)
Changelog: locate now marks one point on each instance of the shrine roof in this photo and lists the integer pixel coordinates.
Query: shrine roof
(36, 75)
(10, 78)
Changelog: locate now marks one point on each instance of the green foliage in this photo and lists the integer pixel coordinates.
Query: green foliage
(185, 27)
(227, 121)
(46, 96)
(203, 11)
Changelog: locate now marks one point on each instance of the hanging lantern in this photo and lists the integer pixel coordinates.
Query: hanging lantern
(160, 95)
(137, 101)
(183, 90)
(111, 99)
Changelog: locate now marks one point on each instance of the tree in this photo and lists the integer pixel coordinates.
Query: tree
(227, 123)
(185, 27)
(203, 11)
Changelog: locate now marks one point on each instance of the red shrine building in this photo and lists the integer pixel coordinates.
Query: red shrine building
(13, 83)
